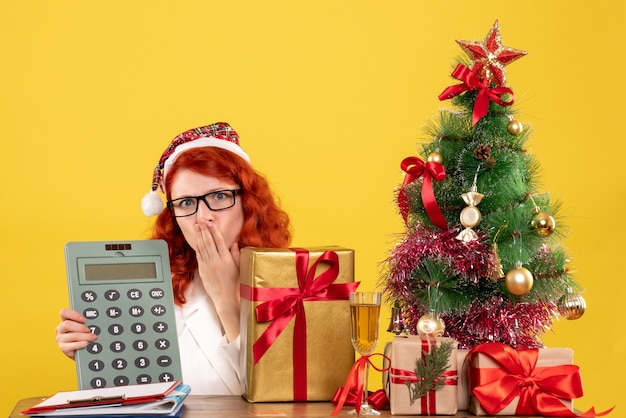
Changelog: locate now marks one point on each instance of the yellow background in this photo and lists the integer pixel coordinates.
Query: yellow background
(328, 97)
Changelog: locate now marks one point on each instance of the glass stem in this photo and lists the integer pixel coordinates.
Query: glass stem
(364, 403)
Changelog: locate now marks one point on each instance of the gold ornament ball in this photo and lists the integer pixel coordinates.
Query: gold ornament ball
(470, 216)
(518, 281)
(515, 127)
(543, 223)
(571, 306)
(430, 324)
(436, 157)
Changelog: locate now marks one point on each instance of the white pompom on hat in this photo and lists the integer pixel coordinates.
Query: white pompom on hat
(219, 135)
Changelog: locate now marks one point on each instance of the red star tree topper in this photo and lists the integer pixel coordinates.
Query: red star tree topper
(490, 56)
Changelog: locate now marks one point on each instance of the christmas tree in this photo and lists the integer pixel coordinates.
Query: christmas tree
(481, 259)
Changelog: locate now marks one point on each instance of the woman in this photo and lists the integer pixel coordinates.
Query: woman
(217, 203)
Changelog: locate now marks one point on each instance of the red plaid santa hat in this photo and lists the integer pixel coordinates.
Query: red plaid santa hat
(219, 135)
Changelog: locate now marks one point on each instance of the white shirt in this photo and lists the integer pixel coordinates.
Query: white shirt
(210, 364)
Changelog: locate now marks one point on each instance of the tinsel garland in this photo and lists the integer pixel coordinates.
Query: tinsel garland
(469, 261)
(516, 324)
(492, 316)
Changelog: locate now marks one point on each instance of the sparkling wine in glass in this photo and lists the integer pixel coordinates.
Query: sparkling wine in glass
(364, 313)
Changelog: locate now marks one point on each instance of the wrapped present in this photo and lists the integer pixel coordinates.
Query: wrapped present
(386, 367)
(423, 376)
(505, 381)
(463, 388)
(295, 322)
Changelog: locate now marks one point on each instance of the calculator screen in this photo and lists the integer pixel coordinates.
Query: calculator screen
(101, 270)
(129, 271)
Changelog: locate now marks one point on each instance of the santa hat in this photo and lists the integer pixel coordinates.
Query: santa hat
(219, 135)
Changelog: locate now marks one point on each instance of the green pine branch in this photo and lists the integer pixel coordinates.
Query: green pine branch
(429, 371)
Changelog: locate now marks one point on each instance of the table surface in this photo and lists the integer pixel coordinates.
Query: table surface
(197, 406)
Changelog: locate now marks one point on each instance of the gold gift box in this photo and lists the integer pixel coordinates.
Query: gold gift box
(404, 352)
(548, 357)
(329, 352)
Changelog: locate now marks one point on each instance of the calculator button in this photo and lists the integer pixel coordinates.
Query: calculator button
(119, 364)
(115, 329)
(164, 361)
(112, 295)
(96, 365)
(98, 382)
(134, 294)
(162, 344)
(142, 362)
(144, 378)
(157, 293)
(158, 310)
(94, 348)
(90, 313)
(117, 346)
(114, 312)
(138, 328)
(89, 296)
(140, 345)
(160, 327)
(121, 381)
(136, 311)
(94, 329)
(166, 377)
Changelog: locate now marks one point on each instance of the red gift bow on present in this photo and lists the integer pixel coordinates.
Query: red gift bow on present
(471, 81)
(414, 168)
(355, 381)
(538, 388)
(282, 304)
(401, 377)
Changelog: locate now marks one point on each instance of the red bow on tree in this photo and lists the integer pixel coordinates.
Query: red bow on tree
(471, 81)
(414, 168)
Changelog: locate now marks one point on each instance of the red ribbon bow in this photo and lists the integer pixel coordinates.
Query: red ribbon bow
(471, 81)
(355, 381)
(414, 168)
(538, 388)
(282, 304)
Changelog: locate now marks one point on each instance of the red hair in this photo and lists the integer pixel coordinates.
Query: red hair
(265, 223)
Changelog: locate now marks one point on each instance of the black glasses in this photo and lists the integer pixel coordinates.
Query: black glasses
(187, 206)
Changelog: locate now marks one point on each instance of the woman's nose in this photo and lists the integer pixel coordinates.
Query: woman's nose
(204, 211)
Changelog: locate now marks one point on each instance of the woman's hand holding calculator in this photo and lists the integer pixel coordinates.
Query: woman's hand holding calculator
(72, 333)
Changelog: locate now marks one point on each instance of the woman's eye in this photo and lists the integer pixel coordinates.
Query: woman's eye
(219, 196)
(185, 203)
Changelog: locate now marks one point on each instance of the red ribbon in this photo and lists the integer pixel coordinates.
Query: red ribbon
(471, 81)
(414, 168)
(401, 377)
(539, 388)
(282, 304)
(377, 400)
(355, 381)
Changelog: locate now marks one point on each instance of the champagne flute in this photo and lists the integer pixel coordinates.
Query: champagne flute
(364, 313)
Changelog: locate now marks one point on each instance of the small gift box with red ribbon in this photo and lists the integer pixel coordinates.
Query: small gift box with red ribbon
(506, 381)
(295, 322)
(428, 388)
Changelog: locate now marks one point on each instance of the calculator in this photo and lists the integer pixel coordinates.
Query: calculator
(124, 290)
